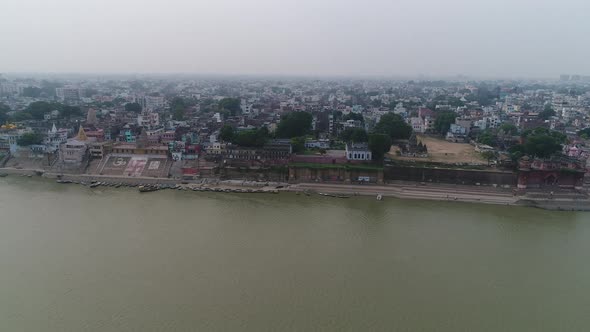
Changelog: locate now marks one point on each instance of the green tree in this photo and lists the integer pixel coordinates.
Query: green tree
(133, 107)
(443, 121)
(294, 124)
(4, 109)
(489, 155)
(487, 137)
(298, 144)
(584, 133)
(227, 133)
(29, 139)
(376, 103)
(119, 101)
(542, 146)
(179, 112)
(539, 142)
(38, 109)
(354, 116)
(358, 135)
(559, 137)
(394, 126)
(32, 91)
(251, 137)
(21, 116)
(70, 111)
(509, 129)
(516, 152)
(547, 113)
(231, 105)
(379, 144)
(49, 87)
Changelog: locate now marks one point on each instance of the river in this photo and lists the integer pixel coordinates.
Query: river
(79, 259)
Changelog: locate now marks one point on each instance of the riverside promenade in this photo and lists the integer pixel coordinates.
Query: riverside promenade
(437, 192)
(453, 193)
(406, 190)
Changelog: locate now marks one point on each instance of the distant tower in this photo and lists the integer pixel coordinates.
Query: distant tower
(91, 117)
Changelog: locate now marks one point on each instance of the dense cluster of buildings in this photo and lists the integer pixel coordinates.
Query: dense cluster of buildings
(165, 135)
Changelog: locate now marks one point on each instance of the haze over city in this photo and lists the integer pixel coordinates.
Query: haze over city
(502, 38)
(294, 165)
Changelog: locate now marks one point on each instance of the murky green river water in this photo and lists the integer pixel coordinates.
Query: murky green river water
(79, 259)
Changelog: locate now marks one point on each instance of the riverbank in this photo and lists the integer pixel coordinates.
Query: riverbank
(420, 191)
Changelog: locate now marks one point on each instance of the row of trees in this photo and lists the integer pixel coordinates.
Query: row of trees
(248, 138)
(30, 139)
(585, 133)
(4, 113)
(492, 137)
(539, 142)
(296, 125)
(37, 111)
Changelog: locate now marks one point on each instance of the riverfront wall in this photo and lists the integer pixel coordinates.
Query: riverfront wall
(450, 176)
(335, 175)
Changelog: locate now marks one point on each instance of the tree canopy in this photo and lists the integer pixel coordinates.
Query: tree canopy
(178, 113)
(31, 91)
(509, 129)
(394, 126)
(540, 142)
(379, 144)
(542, 146)
(29, 139)
(484, 95)
(251, 137)
(4, 113)
(133, 107)
(443, 121)
(584, 133)
(38, 109)
(354, 116)
(487, 137)
(294, 124)
(298, 144)
(231, 105)
(357, 135)
(559, 137)
(489, 155)
(226, 133)
(547, 113)
(70, 111)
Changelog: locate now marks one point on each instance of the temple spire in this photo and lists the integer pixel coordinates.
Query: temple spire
(82, 134)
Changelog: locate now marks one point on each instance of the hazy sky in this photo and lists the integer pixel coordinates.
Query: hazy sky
(535, 38)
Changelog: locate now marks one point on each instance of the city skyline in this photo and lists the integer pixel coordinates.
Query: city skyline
(499, 39)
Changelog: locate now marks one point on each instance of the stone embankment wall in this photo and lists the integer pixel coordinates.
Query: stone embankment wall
(343, 175)
(451, 176)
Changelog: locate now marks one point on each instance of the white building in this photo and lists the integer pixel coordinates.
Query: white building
(246, 108)
(148, 119)
(417, 124)
(55, 138)
(151, 102)
(488, 122)
(68, 94)
(318, 144)
(358, 151)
